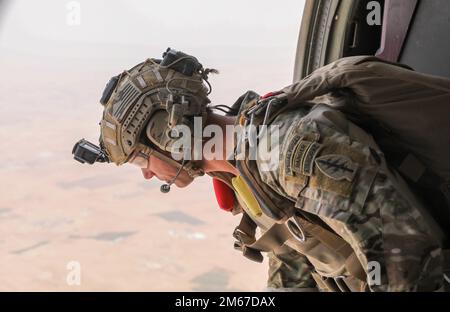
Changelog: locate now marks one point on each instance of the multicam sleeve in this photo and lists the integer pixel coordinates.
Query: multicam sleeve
(391, 239)
(365, 203)
(290, 271)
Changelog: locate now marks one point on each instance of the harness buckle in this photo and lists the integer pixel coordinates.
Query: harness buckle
(243, 237)
(242, 244)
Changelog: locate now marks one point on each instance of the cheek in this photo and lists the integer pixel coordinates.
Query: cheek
(160, 167)
(163, 170)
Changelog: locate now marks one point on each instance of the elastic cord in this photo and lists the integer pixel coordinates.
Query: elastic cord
(178, 78)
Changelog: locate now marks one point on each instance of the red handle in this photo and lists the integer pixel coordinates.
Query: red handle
(224, 195)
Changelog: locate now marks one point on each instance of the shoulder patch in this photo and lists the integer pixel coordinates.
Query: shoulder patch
(302, 160)
(289, 153)
(337, 167)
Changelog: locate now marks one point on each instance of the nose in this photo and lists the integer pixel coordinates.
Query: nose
(147, 174)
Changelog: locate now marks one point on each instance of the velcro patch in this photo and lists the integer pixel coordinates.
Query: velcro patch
(337, 167)
(127, 96)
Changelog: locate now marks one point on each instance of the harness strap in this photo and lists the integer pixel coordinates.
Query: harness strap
(338, 244)
(275, 237)
(271, 240)
(446, 266)
(192, 169)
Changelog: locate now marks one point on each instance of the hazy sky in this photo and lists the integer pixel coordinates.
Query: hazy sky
(252, 43)
(117, 29)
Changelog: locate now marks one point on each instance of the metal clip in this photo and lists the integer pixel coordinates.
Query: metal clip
(295, 229)
(269, 106)
(256, 109)
(249, 132)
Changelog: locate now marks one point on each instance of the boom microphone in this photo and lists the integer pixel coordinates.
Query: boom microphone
(165, 188)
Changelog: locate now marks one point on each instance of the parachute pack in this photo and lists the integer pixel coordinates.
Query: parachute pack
(407, 113)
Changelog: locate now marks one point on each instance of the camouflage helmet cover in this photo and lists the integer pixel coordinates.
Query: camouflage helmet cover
(154, 95)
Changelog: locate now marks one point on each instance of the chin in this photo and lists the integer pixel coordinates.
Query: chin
(182, 184)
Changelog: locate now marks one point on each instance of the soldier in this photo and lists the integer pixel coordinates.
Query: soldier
(333, 214)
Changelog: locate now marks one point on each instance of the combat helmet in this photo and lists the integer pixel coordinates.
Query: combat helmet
(143, 107)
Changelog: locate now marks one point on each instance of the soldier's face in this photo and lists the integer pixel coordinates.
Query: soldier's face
(165, 172)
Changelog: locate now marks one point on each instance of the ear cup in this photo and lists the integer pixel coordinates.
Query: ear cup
(156, 130)
(159, 134)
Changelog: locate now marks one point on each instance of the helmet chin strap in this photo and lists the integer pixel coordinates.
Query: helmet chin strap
(192, 168)
(165, 188)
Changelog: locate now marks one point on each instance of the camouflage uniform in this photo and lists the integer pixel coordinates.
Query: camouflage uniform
(353, 212)
(365, 208)
(368, 230)
(290, 270)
